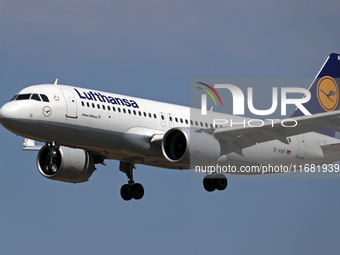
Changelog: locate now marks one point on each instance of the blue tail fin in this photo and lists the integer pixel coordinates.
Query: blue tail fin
(324, 91)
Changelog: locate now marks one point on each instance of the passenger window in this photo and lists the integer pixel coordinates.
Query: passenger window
(154, 115)
(23, 97)
(82, 103)
(44, 98)
(176, 119)
(36, 97)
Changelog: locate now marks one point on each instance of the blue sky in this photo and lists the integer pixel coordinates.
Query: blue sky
(151, 49)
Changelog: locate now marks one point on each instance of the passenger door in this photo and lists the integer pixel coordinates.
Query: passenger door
(71, 105)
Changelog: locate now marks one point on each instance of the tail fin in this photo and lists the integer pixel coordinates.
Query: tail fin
(324, 91)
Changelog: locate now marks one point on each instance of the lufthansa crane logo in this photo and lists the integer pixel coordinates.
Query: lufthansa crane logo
(47, 111)
(328, 93)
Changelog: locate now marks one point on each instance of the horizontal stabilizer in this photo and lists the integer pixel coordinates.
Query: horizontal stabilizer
(331, 147)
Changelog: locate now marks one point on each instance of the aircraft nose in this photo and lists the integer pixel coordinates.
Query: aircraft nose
(9, 111)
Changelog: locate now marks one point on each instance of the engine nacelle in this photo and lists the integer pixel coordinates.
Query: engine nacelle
(73, 165)
(187, 147)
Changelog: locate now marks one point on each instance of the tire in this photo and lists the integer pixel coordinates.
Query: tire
(208, 183)
(220, 182)
(137, 191)
(125, 192)
(52, 168)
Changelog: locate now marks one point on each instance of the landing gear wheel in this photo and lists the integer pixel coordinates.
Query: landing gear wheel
(132, 189)
(125, 192)
(220, 182)
(208, 183)
(52, 168)
(137, 191)
(212, 182)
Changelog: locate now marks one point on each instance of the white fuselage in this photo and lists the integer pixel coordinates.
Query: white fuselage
(108, 124)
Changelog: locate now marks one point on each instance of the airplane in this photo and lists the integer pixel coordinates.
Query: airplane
(83, 127)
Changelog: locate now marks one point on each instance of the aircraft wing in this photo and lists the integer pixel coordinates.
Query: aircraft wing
(234, 139)
(29, 145)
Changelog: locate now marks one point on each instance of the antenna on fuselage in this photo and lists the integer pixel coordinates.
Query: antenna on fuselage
(56, 82)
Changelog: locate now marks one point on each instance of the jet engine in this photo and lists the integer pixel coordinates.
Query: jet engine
(185, 147)
(68, 164)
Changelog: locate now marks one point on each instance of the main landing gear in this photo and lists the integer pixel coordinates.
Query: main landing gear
(215, 181)
(52, 166)
(132, 189)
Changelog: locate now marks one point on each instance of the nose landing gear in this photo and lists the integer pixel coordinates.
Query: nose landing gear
(52, 167)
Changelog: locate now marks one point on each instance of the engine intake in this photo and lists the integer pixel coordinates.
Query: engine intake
(72, 165)
(187, 147)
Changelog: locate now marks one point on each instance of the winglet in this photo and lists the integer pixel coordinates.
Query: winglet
(56, 82)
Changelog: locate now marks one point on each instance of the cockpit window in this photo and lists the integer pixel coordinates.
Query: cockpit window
(31, 96)
(44, 98)
(23, 97)
(13, 98)
(36, 97)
